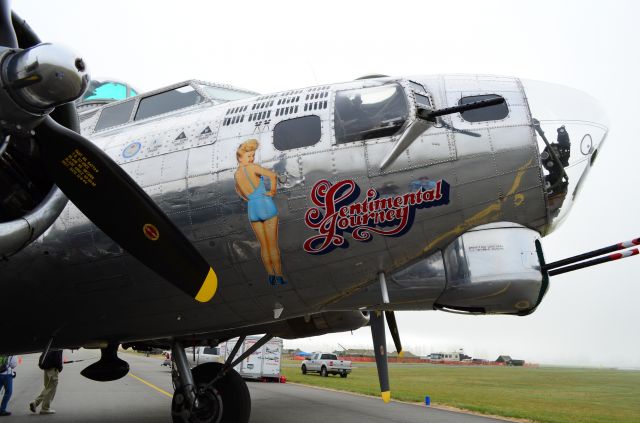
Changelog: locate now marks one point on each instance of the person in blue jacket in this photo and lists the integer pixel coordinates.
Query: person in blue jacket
(7, 364)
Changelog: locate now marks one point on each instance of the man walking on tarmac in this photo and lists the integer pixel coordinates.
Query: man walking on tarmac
(51, 363)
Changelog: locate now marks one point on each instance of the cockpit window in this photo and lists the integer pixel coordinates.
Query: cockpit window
(422, 100)
(114, 115)
(107, 90)
(418, 88)
(483, 114)
(366, 113)
(168, 101)
(225, 94)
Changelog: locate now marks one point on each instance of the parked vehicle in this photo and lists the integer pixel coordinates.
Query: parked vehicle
(263, 364)
(326, 364)
(199, 355)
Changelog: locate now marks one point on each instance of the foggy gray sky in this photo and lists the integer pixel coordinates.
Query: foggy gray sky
(588, 317)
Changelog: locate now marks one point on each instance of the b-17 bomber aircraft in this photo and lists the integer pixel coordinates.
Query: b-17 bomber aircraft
(200, 212)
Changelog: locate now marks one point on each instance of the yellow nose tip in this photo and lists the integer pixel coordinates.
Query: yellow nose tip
(386, 396)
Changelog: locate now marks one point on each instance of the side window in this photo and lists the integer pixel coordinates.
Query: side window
(483, 114)
(108, 90)
(295, 133)
(114, 115)
(167, 101)
(366, 113)
(210, 350)
(420, 93)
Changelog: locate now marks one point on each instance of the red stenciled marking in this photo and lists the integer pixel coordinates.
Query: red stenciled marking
(151, 232)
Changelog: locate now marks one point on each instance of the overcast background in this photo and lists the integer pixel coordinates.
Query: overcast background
(589, 317)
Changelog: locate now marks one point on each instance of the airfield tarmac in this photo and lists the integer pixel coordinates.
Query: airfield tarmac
(144, 396)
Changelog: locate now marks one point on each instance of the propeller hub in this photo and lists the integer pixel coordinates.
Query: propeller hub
(45, 76)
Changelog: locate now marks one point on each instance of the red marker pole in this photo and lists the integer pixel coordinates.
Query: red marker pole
(600, 260)
(594, 253)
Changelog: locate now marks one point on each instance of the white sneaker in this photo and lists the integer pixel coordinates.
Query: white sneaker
(48, 411)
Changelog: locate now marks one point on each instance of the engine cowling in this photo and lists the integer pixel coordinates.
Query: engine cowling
(493, 268)
(37, 80)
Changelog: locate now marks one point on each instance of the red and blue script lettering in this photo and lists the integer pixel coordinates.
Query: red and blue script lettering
(336, 212)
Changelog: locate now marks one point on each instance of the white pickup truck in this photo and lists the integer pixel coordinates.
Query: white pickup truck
(199, 355)
(326, 364)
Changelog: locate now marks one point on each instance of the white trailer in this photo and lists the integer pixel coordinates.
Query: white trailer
(264, 363)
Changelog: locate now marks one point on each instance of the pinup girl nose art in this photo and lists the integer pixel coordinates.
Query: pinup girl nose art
(263, 214)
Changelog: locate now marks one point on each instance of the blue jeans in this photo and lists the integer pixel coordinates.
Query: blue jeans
(6, 382)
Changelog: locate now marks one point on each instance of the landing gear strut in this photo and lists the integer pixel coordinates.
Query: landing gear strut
(197, 400)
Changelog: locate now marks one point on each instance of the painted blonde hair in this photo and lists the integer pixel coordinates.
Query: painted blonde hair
(246, 147)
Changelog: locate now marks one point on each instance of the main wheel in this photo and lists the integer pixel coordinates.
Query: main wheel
(304, 369)
(227, 401)
(323, 372)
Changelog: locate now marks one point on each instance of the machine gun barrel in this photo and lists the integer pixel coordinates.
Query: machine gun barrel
(591, 254)
(432, 114)
(599, 260)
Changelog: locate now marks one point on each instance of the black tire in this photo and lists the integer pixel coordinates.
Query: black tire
(343, 375)
(304, 369)
(323, 372)
(229, 396)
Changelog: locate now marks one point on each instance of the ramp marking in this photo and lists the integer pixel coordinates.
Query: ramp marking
(151, 385)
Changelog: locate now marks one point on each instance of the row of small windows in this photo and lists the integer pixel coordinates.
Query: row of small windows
(286, 110)
(316, 105)
(266, 97)
(235, 110)
(262, 105)
(234, 119)
(315, 96)
(260, 115)
(292, 92)
(288, 100)
(322, 88)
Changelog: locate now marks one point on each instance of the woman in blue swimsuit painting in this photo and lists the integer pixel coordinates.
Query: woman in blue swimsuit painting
(263, 214)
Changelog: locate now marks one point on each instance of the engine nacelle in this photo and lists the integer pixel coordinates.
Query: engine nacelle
(322, 323)
(18, 233)
(493, 268)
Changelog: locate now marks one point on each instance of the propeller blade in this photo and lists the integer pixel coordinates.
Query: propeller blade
(7, 33)
(112, 200)
(393, 328)
(376, 320)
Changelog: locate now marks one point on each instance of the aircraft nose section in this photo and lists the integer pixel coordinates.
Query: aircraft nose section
(571, 127)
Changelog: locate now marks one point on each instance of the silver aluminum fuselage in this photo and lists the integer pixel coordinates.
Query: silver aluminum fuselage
(90, 289)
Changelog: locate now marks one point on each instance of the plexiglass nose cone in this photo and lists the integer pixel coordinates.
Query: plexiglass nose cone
(570, 127)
